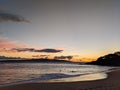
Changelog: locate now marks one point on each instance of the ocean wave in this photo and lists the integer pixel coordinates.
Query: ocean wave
(42, 78)
(54, 76)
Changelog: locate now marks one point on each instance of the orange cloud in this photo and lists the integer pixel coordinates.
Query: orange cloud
(7, 44)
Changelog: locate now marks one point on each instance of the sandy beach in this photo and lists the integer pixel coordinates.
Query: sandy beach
(110, 83)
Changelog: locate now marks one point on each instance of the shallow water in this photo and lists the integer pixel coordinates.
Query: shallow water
(45, 72)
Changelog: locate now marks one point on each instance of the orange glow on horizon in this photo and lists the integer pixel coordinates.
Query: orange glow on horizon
(51, 56)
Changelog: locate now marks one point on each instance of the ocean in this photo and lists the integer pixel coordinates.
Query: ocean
(13, 73)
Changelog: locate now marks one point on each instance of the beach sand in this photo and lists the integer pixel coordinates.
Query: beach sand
(110, 83)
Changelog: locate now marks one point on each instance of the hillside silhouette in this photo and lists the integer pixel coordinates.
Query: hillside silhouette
(36, 61)
(108, 60)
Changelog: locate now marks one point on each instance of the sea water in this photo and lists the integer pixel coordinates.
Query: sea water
(47, 72)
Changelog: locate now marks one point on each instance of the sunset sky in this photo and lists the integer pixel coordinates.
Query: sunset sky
(84, 29)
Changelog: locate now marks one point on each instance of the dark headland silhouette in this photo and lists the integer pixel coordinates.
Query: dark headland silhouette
(41, 60)
(108, 60)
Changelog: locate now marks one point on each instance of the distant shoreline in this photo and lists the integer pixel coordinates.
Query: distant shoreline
(38, 61)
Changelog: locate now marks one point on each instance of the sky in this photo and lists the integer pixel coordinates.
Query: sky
(83, 29)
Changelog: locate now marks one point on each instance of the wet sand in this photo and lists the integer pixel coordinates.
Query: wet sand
(112, 82)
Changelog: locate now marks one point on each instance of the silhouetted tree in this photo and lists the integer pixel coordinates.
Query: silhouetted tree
(110, 60)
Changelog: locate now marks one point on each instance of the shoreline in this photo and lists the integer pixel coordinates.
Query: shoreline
(110, 83)
(72, 78)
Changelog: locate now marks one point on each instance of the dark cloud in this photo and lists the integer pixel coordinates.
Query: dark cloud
(49, 50)
(41, 56)
(44, 55)
(36, 50)
(63, 57)
(11, 17)
(23, 49)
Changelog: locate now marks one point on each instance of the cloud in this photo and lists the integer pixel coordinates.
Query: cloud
(49, 50)
(7, 44)
(36, 50)
(11, 17)
(23, 49)
(63, 57)
(44, 55)
(41, 56)
(14, 46)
